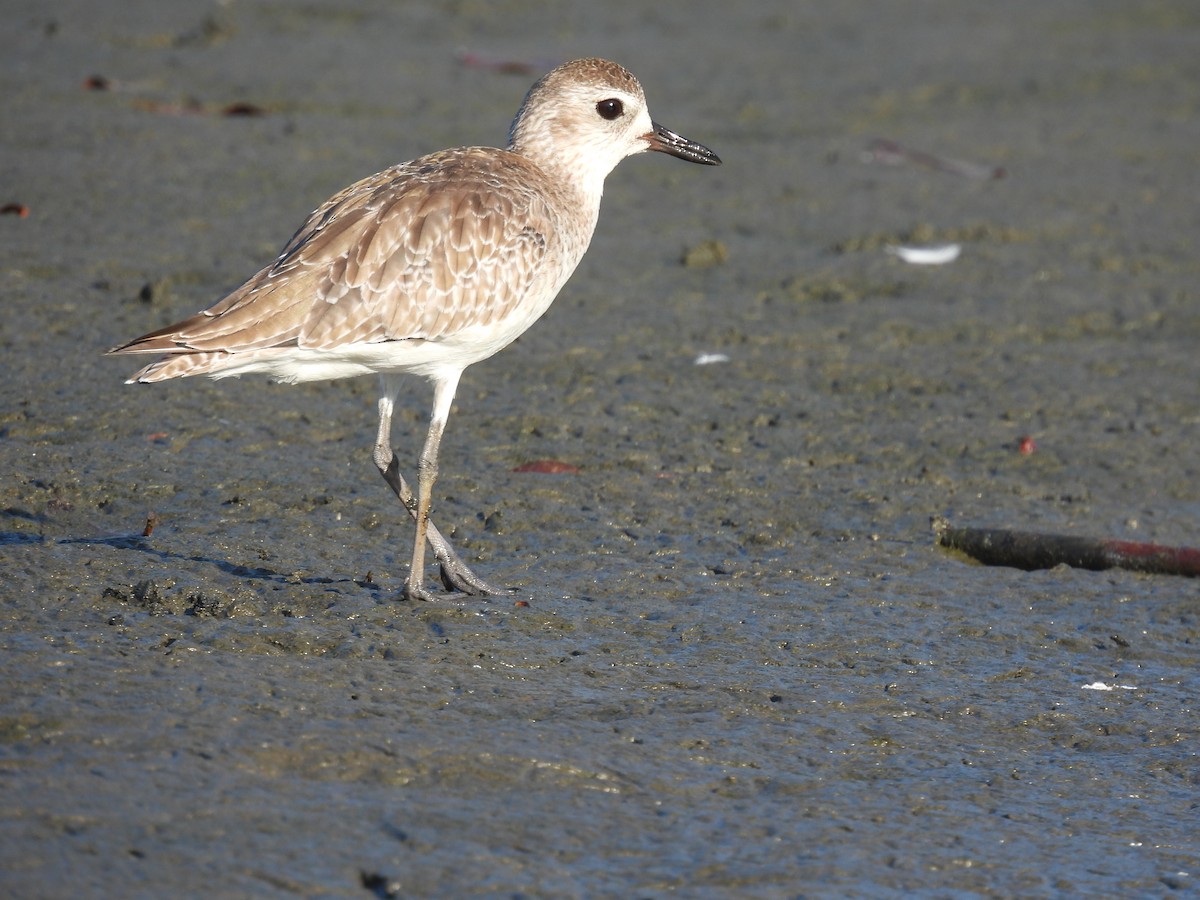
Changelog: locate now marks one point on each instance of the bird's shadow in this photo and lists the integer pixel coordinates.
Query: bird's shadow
(142, 544)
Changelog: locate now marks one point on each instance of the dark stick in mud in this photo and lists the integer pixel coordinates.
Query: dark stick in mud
(1032, 550)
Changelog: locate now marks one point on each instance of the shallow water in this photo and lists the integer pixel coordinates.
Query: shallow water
(744, 668)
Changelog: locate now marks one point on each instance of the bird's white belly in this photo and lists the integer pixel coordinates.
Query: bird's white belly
(428, 358)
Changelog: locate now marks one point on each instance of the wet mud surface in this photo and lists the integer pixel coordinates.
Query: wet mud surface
(735, 663)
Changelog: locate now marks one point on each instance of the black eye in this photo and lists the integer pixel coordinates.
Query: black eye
(610, 109)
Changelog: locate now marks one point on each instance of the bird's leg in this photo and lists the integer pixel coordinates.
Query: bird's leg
(426, 476)
(456, 576)
(427, 470)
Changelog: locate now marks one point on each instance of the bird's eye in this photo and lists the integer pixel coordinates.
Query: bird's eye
(610, 109)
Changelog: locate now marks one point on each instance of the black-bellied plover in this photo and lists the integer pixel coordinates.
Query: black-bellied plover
(428, 267)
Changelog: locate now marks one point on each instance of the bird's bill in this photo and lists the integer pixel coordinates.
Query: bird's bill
(665, 140)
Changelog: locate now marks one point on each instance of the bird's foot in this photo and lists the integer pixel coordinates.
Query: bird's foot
(416, 592)
(457, 577)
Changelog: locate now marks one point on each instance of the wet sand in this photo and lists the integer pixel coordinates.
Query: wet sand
(744, 668)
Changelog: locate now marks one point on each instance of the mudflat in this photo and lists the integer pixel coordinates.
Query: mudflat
(734, 663)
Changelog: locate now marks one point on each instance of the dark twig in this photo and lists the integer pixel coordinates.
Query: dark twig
(1030, 550)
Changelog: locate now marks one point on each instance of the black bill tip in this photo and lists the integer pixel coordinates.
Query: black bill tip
(665, 140)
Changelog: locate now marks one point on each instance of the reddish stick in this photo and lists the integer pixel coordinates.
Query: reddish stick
(1030, 550)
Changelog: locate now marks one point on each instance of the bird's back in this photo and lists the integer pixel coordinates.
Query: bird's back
(463, 247)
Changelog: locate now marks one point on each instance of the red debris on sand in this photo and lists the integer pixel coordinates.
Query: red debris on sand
(548, 467)
(1026, 445)
(505, 66)
(15, 209)
(243, 109)
(188, 107)
(193, 107)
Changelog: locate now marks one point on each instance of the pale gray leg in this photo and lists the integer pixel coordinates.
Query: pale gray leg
(456, 576)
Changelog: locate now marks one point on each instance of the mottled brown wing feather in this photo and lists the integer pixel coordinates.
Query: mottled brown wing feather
(421, 250)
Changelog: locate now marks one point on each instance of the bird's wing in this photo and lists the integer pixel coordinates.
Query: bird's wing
(421, 250)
